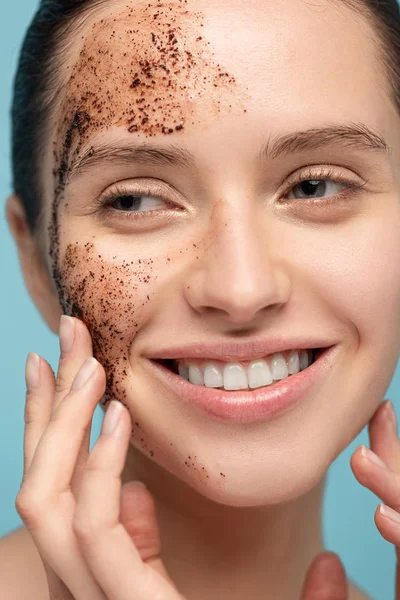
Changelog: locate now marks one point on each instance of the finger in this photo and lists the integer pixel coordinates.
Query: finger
(75, 347)
(377, 478)
(47, 515)
(55, 457)
(389, 527)
(379, 471)
(38, 404)
(109, 550)
(385, 484)
(138, 516)
(326, 579)
(383, 436)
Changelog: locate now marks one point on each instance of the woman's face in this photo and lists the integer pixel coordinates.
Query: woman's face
(222, 245)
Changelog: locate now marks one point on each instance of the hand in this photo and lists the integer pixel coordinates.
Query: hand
(96, 541)
(384, 481)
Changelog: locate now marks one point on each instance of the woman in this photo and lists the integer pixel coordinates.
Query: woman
(205, 192)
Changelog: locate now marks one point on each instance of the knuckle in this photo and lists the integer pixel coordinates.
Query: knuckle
(392, 491)
(28, 507)
(85, 530)
(32, 408)
(62, 384)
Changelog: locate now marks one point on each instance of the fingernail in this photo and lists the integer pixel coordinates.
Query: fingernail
(134, 484)
(32, 371)
(392, 414)
(67, 335)
(386, 511)
(84, 373)
(112, 416)
(367, 453)
(138, 484)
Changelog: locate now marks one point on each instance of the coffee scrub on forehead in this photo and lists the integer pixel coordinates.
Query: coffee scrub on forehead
(143, 68)
(206, 208)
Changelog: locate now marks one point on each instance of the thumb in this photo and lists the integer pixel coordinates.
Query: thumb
(138, 515)
(326, 579)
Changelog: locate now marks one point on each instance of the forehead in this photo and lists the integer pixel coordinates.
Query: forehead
(162, 68)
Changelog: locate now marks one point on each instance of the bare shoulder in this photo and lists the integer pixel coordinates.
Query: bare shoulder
(22, 574)
(21, 570)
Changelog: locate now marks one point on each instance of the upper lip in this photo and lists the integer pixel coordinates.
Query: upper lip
(235, 350)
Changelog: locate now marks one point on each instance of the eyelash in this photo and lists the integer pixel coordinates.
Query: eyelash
(312, 174)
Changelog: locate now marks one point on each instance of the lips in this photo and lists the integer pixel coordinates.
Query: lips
(230, 351)
(249, 406)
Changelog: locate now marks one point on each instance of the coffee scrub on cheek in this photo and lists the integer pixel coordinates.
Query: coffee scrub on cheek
(144, 69)
(107, 296)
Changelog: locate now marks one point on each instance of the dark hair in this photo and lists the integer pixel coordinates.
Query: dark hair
(36, 86)
(37, 81)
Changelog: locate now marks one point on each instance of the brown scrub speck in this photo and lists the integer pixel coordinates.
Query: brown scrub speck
(149, 74)
(94, 291)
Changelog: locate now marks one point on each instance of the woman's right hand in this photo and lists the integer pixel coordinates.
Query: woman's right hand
(95, 540)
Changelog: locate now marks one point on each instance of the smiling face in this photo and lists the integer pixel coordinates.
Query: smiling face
(191, 98)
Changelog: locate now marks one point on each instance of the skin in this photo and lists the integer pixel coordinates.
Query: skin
(218, 267)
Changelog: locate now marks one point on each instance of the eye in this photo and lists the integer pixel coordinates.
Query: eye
(320, 181)
(310, 187)
(135, 202)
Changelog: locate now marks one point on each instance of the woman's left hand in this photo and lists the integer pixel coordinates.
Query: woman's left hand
(326, 577)
(383, 479)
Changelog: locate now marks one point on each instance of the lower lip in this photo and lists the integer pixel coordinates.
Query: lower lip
(254, 405)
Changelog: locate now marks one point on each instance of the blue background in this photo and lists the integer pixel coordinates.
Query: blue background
(348, 521)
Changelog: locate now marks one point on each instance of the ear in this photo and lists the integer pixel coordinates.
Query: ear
(33, 264)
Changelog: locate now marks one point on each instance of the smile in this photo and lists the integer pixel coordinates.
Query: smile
(242, 375)
(247, 406)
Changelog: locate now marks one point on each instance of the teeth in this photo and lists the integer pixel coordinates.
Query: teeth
(260, 372)
(304, 360)
(294, 362)
(279, 367)
(213, 376)
(235, 377)
(184, 371)
(196, 375)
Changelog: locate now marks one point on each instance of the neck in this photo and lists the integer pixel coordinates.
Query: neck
(243, 552)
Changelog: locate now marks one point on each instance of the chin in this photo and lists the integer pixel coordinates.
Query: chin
(252, 491)
(259, 479)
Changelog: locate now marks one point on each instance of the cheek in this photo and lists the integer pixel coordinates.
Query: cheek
(110, 298)
(357, 273)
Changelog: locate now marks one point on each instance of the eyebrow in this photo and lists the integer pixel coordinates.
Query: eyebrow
(356, 135)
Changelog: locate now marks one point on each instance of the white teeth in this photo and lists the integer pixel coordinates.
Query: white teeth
(259, 374)
(213, 376)
(196, 375)
(278, 366)
(234, 376)
(293, 362)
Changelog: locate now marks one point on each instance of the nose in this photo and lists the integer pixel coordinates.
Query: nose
(240, 271)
